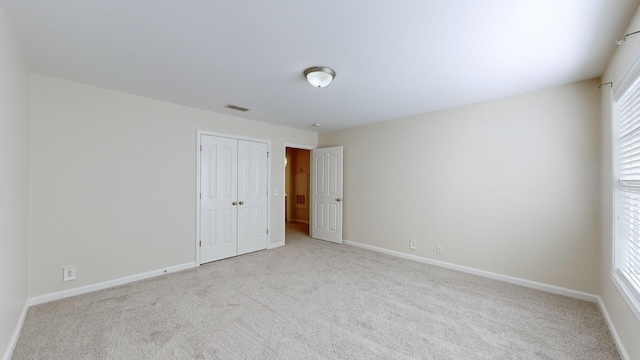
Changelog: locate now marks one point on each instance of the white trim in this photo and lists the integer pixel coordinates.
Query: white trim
(198, 155)
(269, 191)
(16, 333)
(508, 279)
(276, 245)
(199, 134)
(612, 175)
(297, 146)
(612, 329)
(107, 284)
(232, 136)
(626, 291)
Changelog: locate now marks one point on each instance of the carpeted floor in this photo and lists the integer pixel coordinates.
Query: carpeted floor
(316, 300)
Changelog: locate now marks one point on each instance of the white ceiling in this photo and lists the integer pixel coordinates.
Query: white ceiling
(392, 58)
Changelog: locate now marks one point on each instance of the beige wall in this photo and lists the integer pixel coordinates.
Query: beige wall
(626, 323)
(14, 180)
(508, 186)
(113, 181)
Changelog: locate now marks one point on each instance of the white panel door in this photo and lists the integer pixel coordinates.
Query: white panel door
(326, 194)
(218, 204)
(252, 196)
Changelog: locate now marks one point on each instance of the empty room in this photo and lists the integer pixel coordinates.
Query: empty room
(335, 180)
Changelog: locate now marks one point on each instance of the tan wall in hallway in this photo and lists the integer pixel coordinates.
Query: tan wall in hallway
(302, 181)
(298, 183)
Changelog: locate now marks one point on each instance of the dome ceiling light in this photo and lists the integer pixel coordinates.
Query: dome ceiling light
(319, 76)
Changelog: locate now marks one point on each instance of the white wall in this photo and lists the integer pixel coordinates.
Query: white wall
(14, 180)
(113, 181)
(508, 186)
(626, 323)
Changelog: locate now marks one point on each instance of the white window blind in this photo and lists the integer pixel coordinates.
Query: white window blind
(627, 232)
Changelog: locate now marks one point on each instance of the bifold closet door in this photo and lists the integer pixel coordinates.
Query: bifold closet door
(233, 197)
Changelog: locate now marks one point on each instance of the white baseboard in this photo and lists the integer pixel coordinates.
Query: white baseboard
(107, 284)
(16, 333)
(276, 245)
(612, 329)
(509, 279)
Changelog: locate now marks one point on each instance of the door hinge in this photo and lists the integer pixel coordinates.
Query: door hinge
(200, 243)
(267, 231)
(200, 147)
(267, 154)
(200, 195)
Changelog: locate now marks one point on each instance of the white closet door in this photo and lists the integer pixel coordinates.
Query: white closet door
(218, 186)
(252, 196)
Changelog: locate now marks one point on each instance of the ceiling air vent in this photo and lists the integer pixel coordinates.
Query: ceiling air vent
(234, 107)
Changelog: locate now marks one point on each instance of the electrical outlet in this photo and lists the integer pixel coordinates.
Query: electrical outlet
(439, 249)
(275, 192)
(69, 273)
(413, 245)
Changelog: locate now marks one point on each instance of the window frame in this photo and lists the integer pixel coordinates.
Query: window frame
(630, 81)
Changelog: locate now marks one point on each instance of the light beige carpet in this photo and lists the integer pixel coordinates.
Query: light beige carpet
(316, 300)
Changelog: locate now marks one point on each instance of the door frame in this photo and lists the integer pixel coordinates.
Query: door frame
(199, 134)
(284, 185)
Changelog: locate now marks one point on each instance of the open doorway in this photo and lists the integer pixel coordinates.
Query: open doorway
(297, 190)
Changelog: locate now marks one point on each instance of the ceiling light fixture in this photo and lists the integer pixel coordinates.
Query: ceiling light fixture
(319, 76)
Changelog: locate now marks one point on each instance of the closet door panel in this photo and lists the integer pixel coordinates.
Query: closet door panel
(252, 196)
(218, 192)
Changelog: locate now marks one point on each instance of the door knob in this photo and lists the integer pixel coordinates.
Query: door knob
(234, 203)
(241, 202)
(338, 199)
